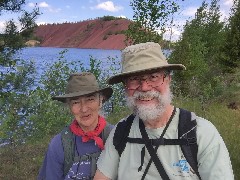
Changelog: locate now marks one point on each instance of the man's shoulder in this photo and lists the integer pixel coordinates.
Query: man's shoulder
(204, 124)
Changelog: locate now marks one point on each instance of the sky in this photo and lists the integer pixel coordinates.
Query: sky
(59, 11)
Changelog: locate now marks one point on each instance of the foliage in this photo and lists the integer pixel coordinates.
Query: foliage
(231, 58)
(14, 103)
(9, 5)
(13, 38)
(17, 76)
(108, 18)
(199, 50)
(149, 17)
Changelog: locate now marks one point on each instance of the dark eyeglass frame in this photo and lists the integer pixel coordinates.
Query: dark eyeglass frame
(154, 79)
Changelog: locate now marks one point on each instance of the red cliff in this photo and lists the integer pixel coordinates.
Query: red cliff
(91, 34)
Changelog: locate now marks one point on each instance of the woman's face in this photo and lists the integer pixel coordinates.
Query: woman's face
(85, 110)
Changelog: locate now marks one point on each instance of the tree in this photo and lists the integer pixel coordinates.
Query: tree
(199, 50)
(13, 6)
(150, 20)
(13, 38)
(231, 57)
(16, 76)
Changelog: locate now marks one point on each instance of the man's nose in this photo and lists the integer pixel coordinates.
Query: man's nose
(144, 85)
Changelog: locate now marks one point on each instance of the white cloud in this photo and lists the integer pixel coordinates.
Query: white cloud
(173, 34)
(50, 9)
(108, 6)
(31, 4)
(190, 11)
(122, 16)
(228, 2)
(225, 9)
(43, 5)
(2, 26)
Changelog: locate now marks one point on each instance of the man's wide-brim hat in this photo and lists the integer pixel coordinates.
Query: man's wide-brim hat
(81, 84)
(141, 58)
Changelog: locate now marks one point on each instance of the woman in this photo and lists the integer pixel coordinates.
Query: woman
(72, 154)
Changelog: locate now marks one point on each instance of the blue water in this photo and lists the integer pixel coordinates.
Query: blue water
(43, 55)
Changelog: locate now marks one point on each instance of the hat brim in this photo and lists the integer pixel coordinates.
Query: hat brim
(106, 92)
(119, 77)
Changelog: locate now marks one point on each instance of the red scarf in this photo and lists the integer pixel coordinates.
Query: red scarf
(86, 136)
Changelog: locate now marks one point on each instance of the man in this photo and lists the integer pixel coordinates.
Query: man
(73, 153)
(153, 148)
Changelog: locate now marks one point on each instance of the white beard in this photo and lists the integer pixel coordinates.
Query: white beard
(150, 112)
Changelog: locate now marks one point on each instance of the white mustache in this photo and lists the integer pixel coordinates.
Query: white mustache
(148, 94)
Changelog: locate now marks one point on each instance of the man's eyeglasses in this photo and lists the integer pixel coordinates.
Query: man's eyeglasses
(153, 80)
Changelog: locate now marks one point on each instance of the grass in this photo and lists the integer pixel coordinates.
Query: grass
(24, 161)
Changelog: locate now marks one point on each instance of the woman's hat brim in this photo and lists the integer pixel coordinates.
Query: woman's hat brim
(106, 92)
(120, 77)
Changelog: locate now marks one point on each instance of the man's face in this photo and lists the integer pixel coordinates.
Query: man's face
(85, 110)
(148, 95)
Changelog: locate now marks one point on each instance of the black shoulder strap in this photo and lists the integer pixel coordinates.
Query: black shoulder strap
(187, 130)
(152, 152)
(121, 134)
(106, 131)
(68, 149)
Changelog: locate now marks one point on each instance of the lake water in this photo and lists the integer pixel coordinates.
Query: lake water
(43, 55)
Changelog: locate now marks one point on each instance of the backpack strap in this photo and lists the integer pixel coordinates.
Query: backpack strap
(106, 131)
(68, 144)
(121, 134)
(68, 149)
(153, 152)
(163, 141)
(187, 130)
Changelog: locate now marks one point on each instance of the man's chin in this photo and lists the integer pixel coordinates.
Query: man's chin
(148, 113)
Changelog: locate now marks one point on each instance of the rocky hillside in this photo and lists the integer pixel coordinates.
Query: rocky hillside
(98, 33)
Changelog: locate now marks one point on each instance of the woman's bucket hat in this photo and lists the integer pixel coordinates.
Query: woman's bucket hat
(140, 58)
(81, 84)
